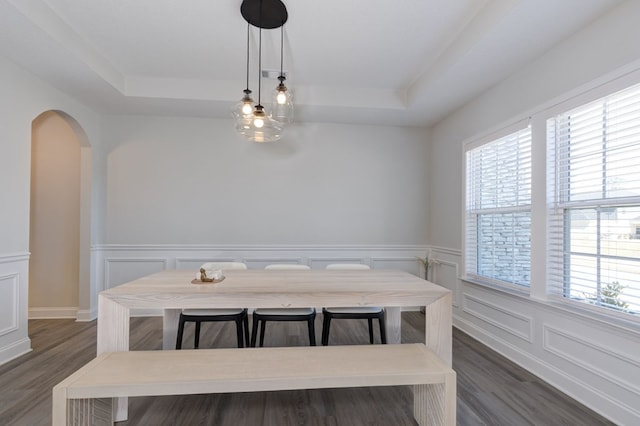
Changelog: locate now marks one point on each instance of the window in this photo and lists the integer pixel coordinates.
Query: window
(498, 210)
(594, 209)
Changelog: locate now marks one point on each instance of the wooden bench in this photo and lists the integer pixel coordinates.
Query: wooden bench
(86, 396)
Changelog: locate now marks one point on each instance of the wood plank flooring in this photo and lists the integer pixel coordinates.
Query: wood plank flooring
(491, 389)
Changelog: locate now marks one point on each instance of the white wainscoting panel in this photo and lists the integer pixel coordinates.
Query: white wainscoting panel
(446, 271)
(500, 317)
(121, 270)
(596, 362)
(445, 274)
(14, 338)
(9, 303)
(603, 366)
(407, 264)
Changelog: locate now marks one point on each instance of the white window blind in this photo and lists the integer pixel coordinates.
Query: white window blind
(594, 215)
(498, 210)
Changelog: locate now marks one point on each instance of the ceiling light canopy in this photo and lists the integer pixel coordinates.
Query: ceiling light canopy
(251, 120)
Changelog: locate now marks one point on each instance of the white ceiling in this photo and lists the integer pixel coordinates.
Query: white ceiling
(395, 62)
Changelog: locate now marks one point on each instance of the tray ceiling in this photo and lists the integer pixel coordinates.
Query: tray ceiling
(405, 62)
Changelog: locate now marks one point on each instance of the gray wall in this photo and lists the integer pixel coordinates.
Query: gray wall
(194, 181)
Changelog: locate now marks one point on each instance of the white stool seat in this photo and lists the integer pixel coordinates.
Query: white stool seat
(210, 312)
(284, 311)
(363, 310)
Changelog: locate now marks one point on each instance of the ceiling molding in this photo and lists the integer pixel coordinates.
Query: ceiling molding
(48, 21)
(407, 64)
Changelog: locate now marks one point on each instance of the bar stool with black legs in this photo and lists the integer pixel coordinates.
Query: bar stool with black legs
(368, 313)
(262, 315)
(198, 316)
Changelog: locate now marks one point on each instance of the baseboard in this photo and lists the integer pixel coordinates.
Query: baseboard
(86, 315)
(15, 350)
(53, 313)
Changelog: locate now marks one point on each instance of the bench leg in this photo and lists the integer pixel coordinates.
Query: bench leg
(94, 412)
(113, 336)
(435, 404)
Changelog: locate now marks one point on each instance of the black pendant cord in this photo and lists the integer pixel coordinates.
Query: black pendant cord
(247, 91)
(260, 58)
(260, 68)
(281, 49)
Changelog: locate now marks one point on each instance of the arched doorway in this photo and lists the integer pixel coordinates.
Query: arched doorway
(60, 215)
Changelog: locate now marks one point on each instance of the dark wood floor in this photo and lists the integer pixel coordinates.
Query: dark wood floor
(491, 390)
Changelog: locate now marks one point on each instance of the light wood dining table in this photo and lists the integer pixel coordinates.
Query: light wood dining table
(172, 291)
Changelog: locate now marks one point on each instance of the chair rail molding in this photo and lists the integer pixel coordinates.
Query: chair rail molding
(14, 257)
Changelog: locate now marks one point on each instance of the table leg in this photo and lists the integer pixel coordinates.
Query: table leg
(393, 319)
(113, 326)
(438, 332)
(170, 328)
(113, 336)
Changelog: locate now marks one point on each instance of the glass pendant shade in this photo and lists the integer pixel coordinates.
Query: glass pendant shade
(282, 103)
(243, 124)
(244, 108)
(259, 127)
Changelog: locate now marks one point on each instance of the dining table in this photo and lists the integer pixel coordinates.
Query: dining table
(174, 290)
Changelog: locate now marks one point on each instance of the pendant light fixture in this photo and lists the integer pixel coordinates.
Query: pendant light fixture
(243, 110)
(282, 105)
(258, 126)
(262, 128)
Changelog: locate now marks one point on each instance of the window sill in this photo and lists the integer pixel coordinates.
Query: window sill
(511, 289)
